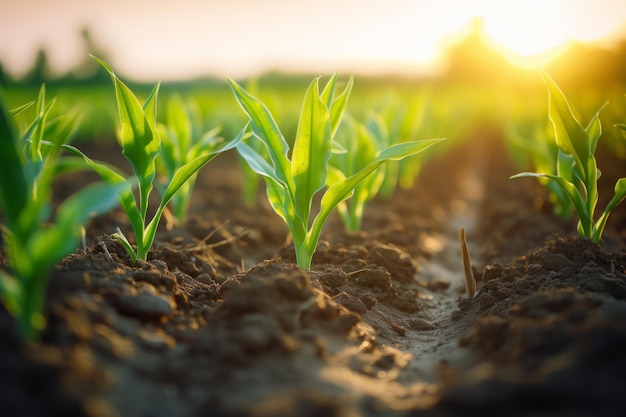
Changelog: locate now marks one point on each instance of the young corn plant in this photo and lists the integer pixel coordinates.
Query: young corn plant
(141, 144)
(280, 108)
(536, 140)
(576, 168)
(400, 121)
(182, 140)
(362, 143)
(35, 239)
(388, 127)
(294, 176)
(381, 126)
(412, 121)
(251, 179)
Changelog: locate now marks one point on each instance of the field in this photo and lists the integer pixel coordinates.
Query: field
(219, 319)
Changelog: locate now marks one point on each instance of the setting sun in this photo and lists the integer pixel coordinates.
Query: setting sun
(533, 32)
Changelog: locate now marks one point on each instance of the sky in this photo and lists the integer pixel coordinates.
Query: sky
(168, 40)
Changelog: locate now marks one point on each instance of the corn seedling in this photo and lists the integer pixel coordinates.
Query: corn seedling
(251, 180)
(34, 239)
(362, 143)
(411, 121)
(536, 140)
(294, 176)
(381, 126)
(401, 121)
(390, 125)
(576, 168)
(182, 141)
(140, 146)
(282, 108)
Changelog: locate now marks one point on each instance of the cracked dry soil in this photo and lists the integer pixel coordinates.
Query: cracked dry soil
(220, 322)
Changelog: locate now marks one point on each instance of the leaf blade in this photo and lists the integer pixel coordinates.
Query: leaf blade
(266, 129)
(140, 140)
(569, 134)
(344, 188)
(311, 151)
(13, 185)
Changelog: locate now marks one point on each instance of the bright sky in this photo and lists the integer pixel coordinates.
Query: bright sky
(164, 39)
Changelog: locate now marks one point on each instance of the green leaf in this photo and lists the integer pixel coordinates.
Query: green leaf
(47, 246)
(343, 189)
(402, 150)
(91, 201)
(564, 166)
(336, 106)
(256, 162)
(183, 173)
(570, 135)
(572, 193)
(169, 156)
(276, 191)
(122, 240)
(179, 120)
(11, 292)
(362, 149)
(14, 112)
(334, 176)
(328, 93)
(140, 143)
(180, 178)
(45, 127)
(113, 176)
(265, 128)
(620, 194)
(62, 129)
(339, 106)
(312, 149)
(594, 130)
(39, 125)
(14, 190)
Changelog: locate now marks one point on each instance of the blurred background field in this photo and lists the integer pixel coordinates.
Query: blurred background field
(449, 67)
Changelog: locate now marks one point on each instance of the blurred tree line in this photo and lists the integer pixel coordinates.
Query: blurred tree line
(470, 61)
(87, 72)
(473, 60)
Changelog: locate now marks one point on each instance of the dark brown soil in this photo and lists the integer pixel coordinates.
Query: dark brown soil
(220, 322)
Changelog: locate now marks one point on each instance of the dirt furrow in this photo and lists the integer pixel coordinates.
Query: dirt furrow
(430, 336)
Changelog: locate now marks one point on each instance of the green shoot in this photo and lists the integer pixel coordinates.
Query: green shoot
(576, 169)
(362, 146)
(251, 180)
(537, 141)
(294, 176)
(388, 127)
(140, 146)
(362, 143)
(182, 140)
(27, 170)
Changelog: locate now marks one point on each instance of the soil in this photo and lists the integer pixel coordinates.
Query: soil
(220, 322)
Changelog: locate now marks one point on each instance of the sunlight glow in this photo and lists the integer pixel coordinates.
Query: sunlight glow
(533, 32)
(166, 40)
